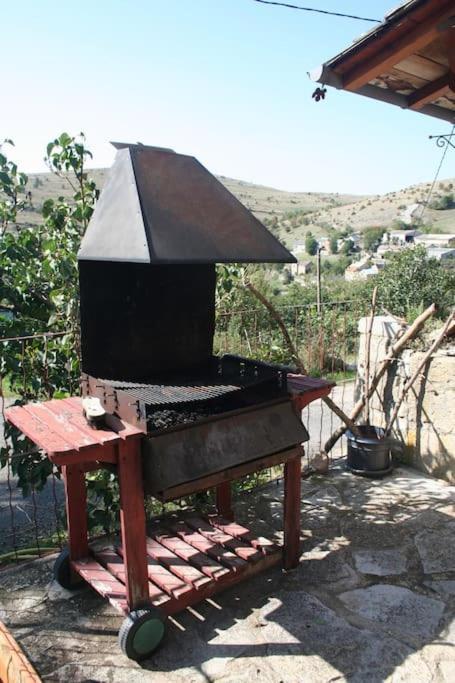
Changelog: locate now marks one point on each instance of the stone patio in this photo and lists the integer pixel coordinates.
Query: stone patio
(373, 599)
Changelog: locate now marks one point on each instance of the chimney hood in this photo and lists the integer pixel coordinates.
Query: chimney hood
(160, 207)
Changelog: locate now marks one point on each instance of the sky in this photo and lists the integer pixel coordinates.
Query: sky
(223, 80)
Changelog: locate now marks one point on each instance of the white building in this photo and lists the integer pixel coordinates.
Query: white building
(435, 239)
(362, 269)
(402, 237)
(301, 268)
(441, 254)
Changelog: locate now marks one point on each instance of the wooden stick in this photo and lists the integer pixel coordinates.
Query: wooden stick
(396, 349)
(280, 322)
(435, 345)
(343, 417)
(295, 355)
(367, 356)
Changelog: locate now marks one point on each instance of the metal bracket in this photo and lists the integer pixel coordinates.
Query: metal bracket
(443, 140)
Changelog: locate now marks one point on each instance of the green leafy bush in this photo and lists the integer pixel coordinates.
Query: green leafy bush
(411, 280)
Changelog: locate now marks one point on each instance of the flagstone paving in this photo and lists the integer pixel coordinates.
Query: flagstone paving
(373, 599)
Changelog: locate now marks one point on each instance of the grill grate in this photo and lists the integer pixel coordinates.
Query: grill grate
(160, 394)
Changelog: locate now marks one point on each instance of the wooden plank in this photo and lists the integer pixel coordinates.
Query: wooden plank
(238, 531)
(431, 91)
(224, 500)
(176, 564)
(76, 417)
(436, 51)
(14, 665)
(193, 596)
(421, 68)
(228, 474)
(117, 428)
(58, 423)
(168, 581)
(132, 521)
(89, 457)
(302, 383)
(201, 561)
(204, 545)
(37, 432)
(116, 566)
(292, 490)
(450, 44)
(76, 510)
(103, 582)
(389, 55)
(163, 578)
(240, 548)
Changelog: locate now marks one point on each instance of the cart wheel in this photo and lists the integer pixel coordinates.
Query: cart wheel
(63, 573)
(141, 633)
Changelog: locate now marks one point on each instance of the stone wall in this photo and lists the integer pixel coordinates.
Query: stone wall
(426, 421)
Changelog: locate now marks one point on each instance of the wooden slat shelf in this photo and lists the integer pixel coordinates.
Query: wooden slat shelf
(180, 572)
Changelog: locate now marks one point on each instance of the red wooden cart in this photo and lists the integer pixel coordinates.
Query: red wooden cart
(177, 565)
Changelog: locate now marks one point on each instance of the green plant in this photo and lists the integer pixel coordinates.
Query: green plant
(39, 288)
(311, 245)
(371, 238)
(411, 280)
(13, 194)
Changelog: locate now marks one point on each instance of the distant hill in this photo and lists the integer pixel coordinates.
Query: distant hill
(291, 214)
(389, 209)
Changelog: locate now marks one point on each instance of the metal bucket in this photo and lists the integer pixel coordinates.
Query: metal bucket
(369, 454)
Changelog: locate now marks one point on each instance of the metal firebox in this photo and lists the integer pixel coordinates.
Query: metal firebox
(147, 292)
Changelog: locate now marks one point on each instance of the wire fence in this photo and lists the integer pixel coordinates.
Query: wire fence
(38, 367)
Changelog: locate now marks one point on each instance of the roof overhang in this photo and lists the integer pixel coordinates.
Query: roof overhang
(408, 60)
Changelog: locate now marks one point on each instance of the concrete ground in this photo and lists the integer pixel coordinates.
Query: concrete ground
(372, 600)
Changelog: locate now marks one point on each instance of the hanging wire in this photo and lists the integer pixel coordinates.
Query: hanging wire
(318, 11)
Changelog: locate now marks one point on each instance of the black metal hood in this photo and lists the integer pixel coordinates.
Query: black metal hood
(160, 207)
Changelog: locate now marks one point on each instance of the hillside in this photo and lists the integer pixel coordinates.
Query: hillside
(265, 202)
(385, 210)
(291, 214)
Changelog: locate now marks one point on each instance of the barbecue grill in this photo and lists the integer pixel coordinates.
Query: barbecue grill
(178, 419)
(147, 287)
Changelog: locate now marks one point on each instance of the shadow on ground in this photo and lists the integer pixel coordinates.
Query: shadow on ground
(372, 599)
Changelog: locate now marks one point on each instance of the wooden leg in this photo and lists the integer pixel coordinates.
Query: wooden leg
(224, 500)
(132, 523)
(292, 488)
(76, 510)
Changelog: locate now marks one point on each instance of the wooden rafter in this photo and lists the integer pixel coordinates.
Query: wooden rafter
(431, 91)
(405, 45)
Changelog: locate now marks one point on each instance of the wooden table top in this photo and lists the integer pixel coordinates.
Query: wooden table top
(60, 428)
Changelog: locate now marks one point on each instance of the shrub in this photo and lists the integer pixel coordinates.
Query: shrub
(411, 280)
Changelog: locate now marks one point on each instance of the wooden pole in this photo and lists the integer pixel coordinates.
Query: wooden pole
(367, 355)
(396, 349)
(132, 523)
(294, 353)
(435, 345)
(318, 280)
(292, 490)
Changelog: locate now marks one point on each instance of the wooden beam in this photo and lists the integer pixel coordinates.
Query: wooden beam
(450, 42)
(292, 492)
(431, 91)
(395, 51)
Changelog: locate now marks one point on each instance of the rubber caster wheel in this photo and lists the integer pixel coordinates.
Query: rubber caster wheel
(63, 573)
(141, 633)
